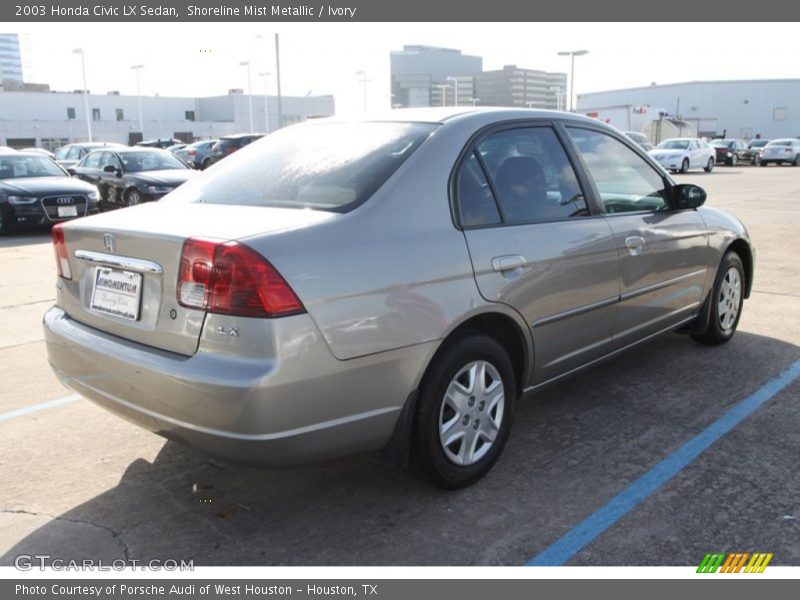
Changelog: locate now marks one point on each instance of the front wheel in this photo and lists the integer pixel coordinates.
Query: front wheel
(756, 160)
(685, 165)
(734, 160)
(726, 300)
(465, 409)
(709, 166)
(133, 197)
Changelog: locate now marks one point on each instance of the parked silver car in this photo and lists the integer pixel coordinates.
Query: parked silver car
(781, 151)
(340, 287)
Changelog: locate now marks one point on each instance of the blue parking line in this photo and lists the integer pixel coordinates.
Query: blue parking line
(36, 407)
(616, 508)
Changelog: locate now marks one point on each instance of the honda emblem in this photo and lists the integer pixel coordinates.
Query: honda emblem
(108, 242)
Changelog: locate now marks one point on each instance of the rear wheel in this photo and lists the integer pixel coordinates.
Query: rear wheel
(726, 302)
(709, 166)
(796, 160)
(465, 410)
(756, 160)
(206, 163)
(733, 161)
(685, 165)
(763, 163)
(4, 225)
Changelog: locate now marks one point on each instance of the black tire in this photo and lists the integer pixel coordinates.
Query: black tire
(133, 197)
(733, 161)
(756, 160)
(5, 226)
(763, 163)
(719, 331)
(206, 164)
(709, 166)
(796, 160)
(685, 165)
(432, 407)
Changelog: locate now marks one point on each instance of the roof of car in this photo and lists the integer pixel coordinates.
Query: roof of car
(451, 113)
(236, 136)
(95, 144)
(140, 149)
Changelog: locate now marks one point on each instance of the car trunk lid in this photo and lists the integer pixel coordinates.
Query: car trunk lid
(125, 265)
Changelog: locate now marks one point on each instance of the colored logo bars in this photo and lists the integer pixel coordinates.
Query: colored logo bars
(735, 562)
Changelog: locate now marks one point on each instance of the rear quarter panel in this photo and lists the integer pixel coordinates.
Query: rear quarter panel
(395, 271)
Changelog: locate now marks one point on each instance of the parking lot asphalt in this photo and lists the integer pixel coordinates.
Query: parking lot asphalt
(77, 482)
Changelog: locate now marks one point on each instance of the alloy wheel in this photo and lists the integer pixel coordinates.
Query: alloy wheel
(471, 413)
(730, 294)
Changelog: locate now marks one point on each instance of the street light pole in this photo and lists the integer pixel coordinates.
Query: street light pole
(363, 81)
(139, 98)
(572, 54)
(85, 93)
(443, 87)
(559, 95)
(278, 80)
(266, 75)
(246, 63)
(455, 89)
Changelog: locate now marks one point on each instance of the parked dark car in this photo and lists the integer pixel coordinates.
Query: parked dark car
(731, 151)
(69, 155)
(159, 143)
(36, 191)
(197, 155)
(229, 144)
(132, 175)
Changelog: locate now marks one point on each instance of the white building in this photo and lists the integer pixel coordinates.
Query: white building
(51, 119)
(741, 109)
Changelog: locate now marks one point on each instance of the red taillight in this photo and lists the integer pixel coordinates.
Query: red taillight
(191, 152)
(232, 279)
(60, 248)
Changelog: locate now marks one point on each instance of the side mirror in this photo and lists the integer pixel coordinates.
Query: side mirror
(71, 171)
(688, 195)
(110, 169)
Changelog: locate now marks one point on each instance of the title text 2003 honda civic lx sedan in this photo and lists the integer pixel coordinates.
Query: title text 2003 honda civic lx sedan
(340, 287)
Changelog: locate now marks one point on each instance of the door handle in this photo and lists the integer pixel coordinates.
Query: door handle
(634, 243)
(508, 263)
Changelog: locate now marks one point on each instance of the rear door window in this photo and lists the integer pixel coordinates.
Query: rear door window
(531, 176)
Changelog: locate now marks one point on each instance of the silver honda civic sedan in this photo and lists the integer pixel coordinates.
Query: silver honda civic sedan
(392, 283)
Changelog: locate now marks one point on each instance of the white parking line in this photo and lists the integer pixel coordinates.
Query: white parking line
(37, 407)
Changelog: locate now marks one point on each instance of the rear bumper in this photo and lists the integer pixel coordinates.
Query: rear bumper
(300, 405)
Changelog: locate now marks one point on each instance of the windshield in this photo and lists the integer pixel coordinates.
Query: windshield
(759, 143)
(674, 145)
(722, 144)
(324, 166)
(12, 167)
(133, 162)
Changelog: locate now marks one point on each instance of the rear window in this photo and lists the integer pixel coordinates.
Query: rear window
(323, 166)
(229, 143)
(780, 143)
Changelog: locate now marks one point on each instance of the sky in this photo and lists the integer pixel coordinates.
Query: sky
(202, 59)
